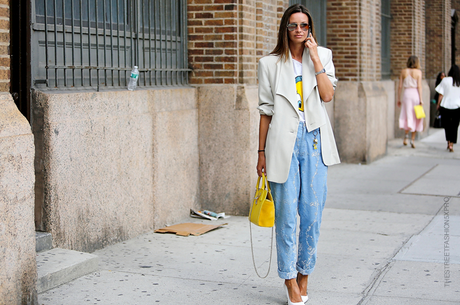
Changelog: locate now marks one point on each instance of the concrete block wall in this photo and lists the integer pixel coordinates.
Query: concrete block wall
(176, 167)
(117, 164)
(366, 118)
(18, 267)
(390, 89)
(374, 96)
(228, 124)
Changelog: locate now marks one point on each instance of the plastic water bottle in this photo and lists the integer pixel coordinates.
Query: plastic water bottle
(133, 79)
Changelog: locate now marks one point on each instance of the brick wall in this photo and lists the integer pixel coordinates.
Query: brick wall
(407, 34)
(268, 15)
(282, 6)
(437, 27)
(213, 46)
(343, 37)
(456, 6)
(419, 33)
(247, 41)
(227, 38)
(4, 46)
(370, 46)
(353, 34)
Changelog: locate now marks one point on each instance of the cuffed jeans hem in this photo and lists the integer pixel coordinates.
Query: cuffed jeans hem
(287, 275)
(293, 275)
(305, 271)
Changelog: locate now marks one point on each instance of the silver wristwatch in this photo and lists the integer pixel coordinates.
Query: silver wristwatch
(319, 72)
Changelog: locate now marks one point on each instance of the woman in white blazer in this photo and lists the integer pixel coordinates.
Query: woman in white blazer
(296, 142)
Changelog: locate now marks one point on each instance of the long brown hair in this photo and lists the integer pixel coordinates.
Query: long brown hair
(282, 46)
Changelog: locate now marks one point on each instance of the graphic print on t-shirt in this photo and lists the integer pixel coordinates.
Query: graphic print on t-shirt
(298, 85)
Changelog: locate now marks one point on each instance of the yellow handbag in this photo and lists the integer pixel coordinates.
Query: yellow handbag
(419, 112)
(262, 211)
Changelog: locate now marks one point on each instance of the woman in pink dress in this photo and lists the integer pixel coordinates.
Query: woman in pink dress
(411, 80)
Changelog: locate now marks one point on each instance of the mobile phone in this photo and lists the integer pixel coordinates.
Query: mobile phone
(308, 34)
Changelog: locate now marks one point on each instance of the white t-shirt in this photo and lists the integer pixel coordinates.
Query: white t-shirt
(450, 93)
(298, 85)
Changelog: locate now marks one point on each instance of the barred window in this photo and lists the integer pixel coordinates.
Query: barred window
(96, 43)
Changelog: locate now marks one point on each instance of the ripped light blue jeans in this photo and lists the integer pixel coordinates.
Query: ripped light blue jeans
(304, 193)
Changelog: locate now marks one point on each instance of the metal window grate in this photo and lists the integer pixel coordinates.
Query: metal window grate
(95, 43)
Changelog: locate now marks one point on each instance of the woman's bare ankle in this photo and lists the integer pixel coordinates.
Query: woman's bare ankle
(293, 290)
(302, 282)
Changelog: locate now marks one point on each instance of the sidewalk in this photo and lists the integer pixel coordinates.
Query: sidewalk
(383, 238)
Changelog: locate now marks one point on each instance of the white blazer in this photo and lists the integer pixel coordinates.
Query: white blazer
(278, 98)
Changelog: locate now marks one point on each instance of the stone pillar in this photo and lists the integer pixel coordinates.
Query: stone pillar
(228, 124)
(18, 267)
(361, 120)
(360, 103)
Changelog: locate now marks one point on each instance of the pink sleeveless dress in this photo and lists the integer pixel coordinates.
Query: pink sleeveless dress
(410, 98)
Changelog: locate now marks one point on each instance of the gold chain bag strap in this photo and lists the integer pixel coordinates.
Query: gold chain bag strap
(262, 214)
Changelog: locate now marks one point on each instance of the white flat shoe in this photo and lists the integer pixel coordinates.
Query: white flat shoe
(304, 298)
(289, 300)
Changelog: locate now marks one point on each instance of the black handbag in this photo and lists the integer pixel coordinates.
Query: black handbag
(437, 120)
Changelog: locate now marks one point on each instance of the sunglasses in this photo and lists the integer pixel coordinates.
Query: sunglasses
(303, 26)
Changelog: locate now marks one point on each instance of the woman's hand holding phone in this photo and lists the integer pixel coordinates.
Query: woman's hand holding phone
(310, 43)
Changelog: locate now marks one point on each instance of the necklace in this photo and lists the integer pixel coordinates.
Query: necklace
(315, 141)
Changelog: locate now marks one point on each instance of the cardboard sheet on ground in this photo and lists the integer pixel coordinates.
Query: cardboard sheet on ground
(185, 229)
